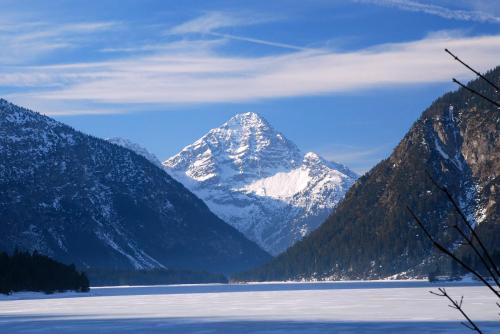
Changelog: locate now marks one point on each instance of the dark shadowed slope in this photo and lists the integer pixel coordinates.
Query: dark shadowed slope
(86, 201)
(457, 139)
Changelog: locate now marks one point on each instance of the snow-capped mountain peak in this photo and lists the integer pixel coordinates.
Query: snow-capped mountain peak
(248, 137)
(247, 120)
(259, 181)
(244, 148)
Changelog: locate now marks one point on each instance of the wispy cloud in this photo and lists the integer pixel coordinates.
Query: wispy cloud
(195, 70)
(212, 21)
(261, 41)
(186, 46)
(432, 9)
(207, 23)
(200, 75)
(22, 42)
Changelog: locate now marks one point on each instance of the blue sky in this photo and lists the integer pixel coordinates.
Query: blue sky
(345, 79)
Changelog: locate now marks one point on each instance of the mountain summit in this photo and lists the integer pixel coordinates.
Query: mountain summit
(258, 181)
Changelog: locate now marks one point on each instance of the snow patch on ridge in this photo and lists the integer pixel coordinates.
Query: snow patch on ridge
(281, 185)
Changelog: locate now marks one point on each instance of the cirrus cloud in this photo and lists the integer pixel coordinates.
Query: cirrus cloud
(433, 9)
(201, 75)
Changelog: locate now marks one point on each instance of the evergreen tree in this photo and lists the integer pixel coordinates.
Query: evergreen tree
(23, 271)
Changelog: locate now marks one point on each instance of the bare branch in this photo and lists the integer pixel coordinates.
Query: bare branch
(450, 254)
(474, 248)
(473, 70)
(458, 306)
(467, 325)
(476, 92)
(485, 258)
(490, 263)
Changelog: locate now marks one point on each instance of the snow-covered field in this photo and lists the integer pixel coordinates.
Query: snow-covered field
(340, 307)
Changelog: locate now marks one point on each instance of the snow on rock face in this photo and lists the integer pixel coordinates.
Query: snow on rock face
(281, 185)
(246, 147)
(258, 181)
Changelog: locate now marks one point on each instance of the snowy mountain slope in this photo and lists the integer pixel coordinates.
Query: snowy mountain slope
(137, 149)
(84, 200)
(258, 181)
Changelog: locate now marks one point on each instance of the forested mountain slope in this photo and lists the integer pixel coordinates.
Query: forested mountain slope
(371, 234)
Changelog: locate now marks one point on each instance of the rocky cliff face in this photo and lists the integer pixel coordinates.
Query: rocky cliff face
(258, 181)
(84, 200)
(371, 234)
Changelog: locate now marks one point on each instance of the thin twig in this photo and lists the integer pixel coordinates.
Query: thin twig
(473, 70)
(475, 92)
(457, 305)
(474, 248)
(450, 254)
(469, 226)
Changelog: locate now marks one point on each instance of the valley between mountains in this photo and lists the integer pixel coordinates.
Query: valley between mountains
(245, 201)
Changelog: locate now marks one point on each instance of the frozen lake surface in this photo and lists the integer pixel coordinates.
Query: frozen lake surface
(266, 308)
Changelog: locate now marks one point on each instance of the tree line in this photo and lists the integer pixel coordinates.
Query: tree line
(156, 276)
(24, 271)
